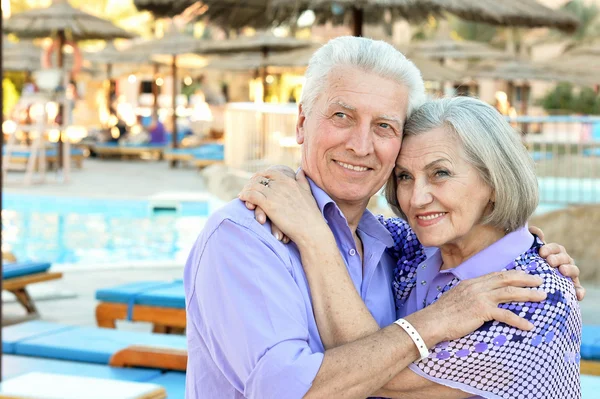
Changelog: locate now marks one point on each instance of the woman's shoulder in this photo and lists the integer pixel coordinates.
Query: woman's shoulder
(405, 239)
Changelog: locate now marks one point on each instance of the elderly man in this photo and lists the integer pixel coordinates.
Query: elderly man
(251, 328)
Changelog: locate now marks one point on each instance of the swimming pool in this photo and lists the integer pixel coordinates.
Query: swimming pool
(69, 231)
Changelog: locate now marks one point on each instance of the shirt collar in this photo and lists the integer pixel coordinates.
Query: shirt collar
(495, 257)
(368, 223)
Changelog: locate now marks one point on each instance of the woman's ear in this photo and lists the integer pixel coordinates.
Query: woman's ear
(300, 125)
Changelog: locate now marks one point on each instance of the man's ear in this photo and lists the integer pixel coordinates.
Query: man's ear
(300, 125)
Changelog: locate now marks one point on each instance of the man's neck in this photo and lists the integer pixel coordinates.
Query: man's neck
(353, 213)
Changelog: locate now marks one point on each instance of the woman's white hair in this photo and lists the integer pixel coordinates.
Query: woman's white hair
(491, 146)
(372, 56)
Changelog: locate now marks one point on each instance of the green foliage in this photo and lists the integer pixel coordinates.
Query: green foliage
(562, 99)
(474, 31)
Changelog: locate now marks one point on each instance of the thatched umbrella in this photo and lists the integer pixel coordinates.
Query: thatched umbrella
(163, 8)
(172, 44)
(60, 19)
(21, 56)
(443, 49)
(263, 43)
(521, 70)
(526, 13)
(110, 55)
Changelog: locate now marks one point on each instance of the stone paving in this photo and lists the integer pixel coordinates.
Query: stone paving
(121, 179)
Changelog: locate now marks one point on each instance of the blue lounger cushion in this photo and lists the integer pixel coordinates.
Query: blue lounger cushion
(21, 332)
(18, 269)
(51, 152)
(149, 293)
(539, 155)
(590, 342)
(592, 152)
(13, 366)
(590, 386)
(92, 344)
(173, 382)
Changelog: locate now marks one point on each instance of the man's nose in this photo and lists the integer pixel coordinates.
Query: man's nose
(361, 140)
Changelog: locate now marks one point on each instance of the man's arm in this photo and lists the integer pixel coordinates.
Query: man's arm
(254, 322)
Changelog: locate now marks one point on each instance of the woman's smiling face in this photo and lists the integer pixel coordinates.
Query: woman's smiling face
(442, 195)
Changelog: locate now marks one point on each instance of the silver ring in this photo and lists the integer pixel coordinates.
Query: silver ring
(265, 181)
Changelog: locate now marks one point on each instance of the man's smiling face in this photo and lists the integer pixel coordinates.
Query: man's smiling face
(352, 135)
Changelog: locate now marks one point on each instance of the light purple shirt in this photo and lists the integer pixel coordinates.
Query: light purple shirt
(431, 280)
(251, 329)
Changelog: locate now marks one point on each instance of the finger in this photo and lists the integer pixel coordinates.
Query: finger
(253, 196)
(285, 239)
(250, 205)
(277, 233)
(552, 248)
(508, 317)
(557, 260)
(580, 292)
(537, 231)
(284, 170)
(515, 278)
(518, 294)
(302, 180)
(569, 270)
(260, 215)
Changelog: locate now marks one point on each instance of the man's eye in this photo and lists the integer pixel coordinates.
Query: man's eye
(385, 125)
(340, 114)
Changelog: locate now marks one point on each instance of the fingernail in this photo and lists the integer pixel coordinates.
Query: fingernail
(531, 326)
(261, 218)
(278, 236)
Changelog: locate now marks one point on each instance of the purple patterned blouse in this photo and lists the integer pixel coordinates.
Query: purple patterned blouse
(496, 361)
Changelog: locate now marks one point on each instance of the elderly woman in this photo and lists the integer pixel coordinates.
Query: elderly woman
(464, 187)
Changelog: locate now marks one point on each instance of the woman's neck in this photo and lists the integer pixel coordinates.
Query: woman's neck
(458, 251)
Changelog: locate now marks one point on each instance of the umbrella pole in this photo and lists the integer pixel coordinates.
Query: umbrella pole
(174, 136)
(155, 93)
(524, 106)
(61, 107)
(357, 21)
(1, 183)
(108, 77)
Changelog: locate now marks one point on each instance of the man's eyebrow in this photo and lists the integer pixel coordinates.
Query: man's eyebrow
(343, 105)
(391, 119)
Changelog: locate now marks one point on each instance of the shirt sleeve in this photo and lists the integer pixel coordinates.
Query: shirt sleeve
(253, 316)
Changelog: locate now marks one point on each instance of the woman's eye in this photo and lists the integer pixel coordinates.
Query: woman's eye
(403, 176)
(442, 173)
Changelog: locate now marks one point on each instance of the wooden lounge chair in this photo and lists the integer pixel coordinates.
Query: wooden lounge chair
(159, 303)
(151, 357)
(19, 275)
(202, 156)
(152, 151)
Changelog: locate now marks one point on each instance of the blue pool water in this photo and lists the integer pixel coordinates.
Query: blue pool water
(66, 230)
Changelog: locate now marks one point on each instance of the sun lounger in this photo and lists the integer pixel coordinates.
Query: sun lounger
(77, 156)
(159, 303)
(154, 151)
(94, 345)
(37, 385)
(540, 156)
(202, 156)
(590, 350)
(590, 387)
(17, 276)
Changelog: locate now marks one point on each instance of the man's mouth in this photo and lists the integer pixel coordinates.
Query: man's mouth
(356, 168)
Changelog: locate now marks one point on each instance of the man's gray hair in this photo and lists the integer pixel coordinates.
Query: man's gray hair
(491, 146)
(372, 56)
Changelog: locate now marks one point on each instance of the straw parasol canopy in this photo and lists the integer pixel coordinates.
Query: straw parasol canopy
(163, 8)
(525, 13)
(262, 43)
(441, 49)
(21, 56)
(61, 16)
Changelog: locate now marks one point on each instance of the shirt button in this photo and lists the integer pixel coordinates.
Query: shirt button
(423, 266)
(439, 288)
(424, 303)
(352, 252)
(423, 282)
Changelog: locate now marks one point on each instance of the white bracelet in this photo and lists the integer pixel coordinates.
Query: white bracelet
(415, 336)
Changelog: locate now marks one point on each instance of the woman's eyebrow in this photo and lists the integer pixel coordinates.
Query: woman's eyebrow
(437, 161)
